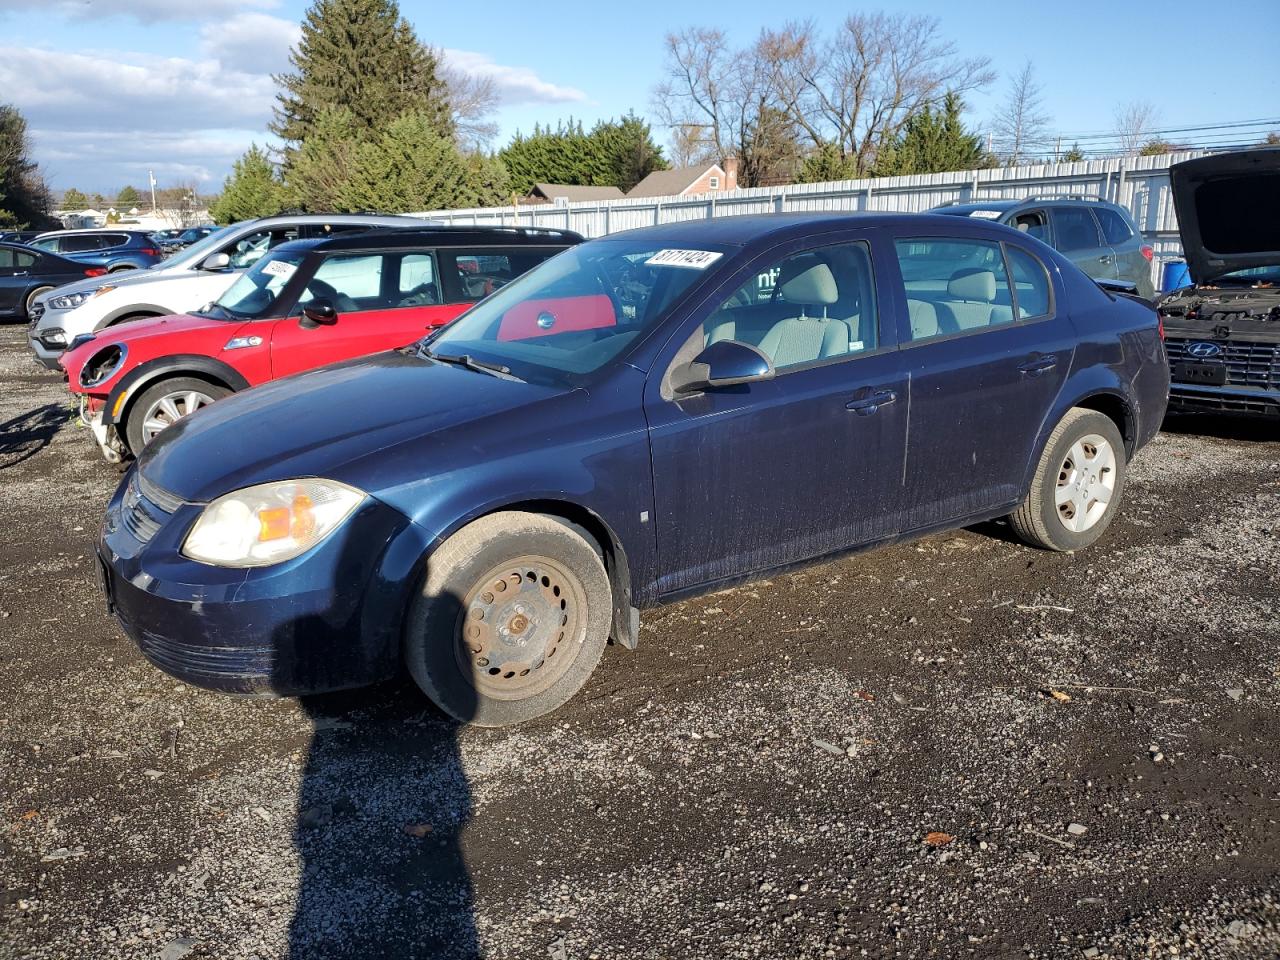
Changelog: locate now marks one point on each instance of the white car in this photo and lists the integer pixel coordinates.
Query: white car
(186, 281)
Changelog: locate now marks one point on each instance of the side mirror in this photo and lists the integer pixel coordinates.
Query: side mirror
(319, 313)
(216, 261)
(727, 363)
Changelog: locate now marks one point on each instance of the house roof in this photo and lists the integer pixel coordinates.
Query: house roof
(573, 192)
(671, 183)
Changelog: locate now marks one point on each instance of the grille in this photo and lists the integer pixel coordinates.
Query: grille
(1248, 364)
(145, 508)
(36, 312)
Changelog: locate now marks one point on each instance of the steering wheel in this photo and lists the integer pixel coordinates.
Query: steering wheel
(341, 302)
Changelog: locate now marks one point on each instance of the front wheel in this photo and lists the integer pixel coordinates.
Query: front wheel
(511, 619)
(161, 406)
(31, 299)
(1077, 485)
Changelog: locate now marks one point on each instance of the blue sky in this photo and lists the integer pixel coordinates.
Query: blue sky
(112, 88)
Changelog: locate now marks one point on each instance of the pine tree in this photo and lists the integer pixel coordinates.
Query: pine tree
(24, 197)
(323, 167)
(361, 56)
(128, 197)
(73, 199)
(627, 152)
(933, 141)
(253, 189)
(1074, 155)
(410, 167)
(827, 163)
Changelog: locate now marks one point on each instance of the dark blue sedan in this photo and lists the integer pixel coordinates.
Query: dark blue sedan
(645, 417)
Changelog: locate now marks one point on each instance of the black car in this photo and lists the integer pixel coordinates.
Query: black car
(26, 273)
(1224, 330)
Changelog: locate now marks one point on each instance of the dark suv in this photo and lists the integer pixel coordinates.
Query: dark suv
(115, 250)
(652, 415)
(1097, 236)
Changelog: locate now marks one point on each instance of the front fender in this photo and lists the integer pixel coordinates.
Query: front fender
(177, 365)
(133, 309)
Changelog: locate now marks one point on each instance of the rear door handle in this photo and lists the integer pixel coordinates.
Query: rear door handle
(1035, 366)
(873, 401)
(1104, 259)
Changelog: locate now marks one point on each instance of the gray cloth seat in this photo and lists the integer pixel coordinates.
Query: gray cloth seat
(801, 339)
(970, 302)
(924, 319)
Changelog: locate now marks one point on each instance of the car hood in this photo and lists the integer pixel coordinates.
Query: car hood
(1228, 211)
(315, 423)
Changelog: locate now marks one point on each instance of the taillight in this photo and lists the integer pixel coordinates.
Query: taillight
(95, 271)
(1148, 252)
(1160, 325)
(150, 252)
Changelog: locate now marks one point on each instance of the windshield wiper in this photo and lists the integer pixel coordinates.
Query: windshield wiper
(471, 363)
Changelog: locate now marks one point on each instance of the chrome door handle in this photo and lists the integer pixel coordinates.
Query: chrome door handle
(873, 401)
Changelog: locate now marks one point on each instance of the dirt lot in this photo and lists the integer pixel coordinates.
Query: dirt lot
(1091, 739)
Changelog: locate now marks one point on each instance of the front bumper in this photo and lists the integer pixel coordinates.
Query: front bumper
(328, 620)
(1197, 398)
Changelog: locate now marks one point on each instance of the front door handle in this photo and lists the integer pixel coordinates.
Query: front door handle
(1036, 366)
(873, 401)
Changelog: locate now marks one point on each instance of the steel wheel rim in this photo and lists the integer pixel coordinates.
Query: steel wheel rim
(169, 409)
(1086, 483)
(520, 628)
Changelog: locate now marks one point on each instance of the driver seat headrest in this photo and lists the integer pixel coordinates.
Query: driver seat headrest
(815, 286)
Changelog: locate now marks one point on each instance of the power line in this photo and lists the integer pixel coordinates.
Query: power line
(1264, 124)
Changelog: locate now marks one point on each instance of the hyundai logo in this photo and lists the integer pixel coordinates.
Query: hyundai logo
(1203, 351)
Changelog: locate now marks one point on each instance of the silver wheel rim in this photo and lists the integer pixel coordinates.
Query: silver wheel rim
(1086, 483)
(171, 408)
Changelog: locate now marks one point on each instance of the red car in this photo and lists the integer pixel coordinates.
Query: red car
(308, 303)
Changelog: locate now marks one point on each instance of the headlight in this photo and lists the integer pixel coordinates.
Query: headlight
(267, 524)
(70, 301)
(103, 365)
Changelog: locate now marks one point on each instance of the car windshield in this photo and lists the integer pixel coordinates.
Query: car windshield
(256, 290)
(579, 310)
(1253, 275)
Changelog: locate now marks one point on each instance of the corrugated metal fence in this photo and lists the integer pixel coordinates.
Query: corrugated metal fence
(1141, 184)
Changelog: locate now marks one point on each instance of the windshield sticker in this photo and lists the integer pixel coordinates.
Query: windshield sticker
(693, 259)
(279, 268)
(986, 214)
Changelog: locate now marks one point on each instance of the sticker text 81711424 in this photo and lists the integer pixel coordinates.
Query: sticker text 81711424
(693, 259)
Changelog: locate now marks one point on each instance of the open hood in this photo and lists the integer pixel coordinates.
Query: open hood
(1228, 211)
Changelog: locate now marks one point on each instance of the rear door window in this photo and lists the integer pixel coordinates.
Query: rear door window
(953, 286)
(109, 240)
(1075, 229)
(1114, 227)
(78, 244)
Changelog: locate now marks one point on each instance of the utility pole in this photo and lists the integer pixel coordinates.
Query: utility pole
(152, 177)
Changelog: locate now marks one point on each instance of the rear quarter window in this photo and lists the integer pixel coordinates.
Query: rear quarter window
(1031, 284)
(1114, 227)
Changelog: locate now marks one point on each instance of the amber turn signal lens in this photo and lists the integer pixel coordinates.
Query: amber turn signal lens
(304, 520)
(273, 524)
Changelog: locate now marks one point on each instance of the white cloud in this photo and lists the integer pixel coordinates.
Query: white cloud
(513, 85)
(252, 42)
(144, 11)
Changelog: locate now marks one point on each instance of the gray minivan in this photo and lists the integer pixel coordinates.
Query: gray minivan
(1097, 236)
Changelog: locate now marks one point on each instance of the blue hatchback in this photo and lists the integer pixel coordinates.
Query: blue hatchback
(645, 417)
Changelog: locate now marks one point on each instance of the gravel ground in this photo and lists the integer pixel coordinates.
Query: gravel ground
(956, 747)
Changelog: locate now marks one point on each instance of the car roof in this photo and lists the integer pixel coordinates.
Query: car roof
(755, 228)
(964, 208)
(88, 231)
(438, 236)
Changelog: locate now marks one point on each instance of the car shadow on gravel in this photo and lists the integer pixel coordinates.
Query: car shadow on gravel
(382, 806)
(1223, 426)
(22, 437)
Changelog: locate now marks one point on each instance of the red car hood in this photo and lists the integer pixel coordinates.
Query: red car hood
(142, 330)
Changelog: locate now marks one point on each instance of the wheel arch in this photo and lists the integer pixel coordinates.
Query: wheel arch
(133, 311)
(625, 626)
(1104, 395)
(144, 375)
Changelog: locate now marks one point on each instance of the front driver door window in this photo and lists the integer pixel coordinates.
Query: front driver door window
(768, 473)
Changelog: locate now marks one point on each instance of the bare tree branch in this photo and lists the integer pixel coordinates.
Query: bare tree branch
(1021, 128)
(1135, 122)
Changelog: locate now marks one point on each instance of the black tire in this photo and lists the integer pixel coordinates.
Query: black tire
(134, 431)
(1040, 521)
(451, 643)
(122, 267)
(130, 317)
(31, 299)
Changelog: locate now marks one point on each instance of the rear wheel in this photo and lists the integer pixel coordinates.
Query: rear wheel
(511, 619)
(164, 404)
(122, 267)
(31, 299)
(1077, 486)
